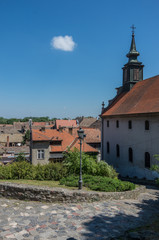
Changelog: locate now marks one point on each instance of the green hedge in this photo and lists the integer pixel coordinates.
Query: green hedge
(98, 183)
(21, 169)
(24, 170)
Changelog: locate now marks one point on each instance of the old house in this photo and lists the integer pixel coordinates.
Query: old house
(11, 142)
(50, 145)
(130, 123)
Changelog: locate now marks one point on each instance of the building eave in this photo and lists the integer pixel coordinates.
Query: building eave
(149, 114)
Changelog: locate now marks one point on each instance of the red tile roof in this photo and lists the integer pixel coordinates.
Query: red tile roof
(66, 123)
(93, 135)
(67, 140)
(85, 147)
(142, 98)
(39, 123)
(39, 136)
(86, 122)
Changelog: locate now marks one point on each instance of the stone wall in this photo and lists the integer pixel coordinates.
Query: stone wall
(46, 194)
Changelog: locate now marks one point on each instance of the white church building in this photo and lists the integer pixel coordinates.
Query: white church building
(130, 123)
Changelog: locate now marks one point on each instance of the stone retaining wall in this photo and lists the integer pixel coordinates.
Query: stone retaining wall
(46, 194)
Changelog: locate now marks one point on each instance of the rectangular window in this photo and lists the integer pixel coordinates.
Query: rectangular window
(130, 155)
(136, 74)
(117, 123)
(40, 154)
(108, 147)
(130, 124)
(147, 125)
(107, 123)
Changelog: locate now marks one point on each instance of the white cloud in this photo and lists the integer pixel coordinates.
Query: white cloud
(65, 43)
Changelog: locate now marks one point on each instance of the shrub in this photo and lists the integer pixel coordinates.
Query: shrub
(39, 172)
(20, 157)
(99, 183)
(54, 171)
(24, 170)
(5, 172)
(157, 181)
(89, 165)
(155, 167)
(104, 169)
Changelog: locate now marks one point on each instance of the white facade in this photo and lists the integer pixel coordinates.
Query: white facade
(133, 144)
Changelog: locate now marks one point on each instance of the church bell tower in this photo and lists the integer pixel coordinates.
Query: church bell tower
(133, 70)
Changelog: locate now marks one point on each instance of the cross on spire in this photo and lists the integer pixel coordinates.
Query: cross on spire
(133, 29)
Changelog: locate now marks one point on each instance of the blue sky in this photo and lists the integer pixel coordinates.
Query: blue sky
(38, 79)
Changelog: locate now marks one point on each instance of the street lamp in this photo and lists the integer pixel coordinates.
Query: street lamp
(30, 128)
(81, 136)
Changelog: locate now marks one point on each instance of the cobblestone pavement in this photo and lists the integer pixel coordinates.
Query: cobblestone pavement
(98, 220)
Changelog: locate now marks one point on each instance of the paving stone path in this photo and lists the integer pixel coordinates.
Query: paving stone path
(92, 221)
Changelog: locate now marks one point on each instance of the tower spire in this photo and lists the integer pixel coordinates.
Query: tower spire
(133, 70)
(133, 54)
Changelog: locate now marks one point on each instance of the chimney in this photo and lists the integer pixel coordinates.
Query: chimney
(60, 128)
(70, 130)
(42, 129)
(7, 141)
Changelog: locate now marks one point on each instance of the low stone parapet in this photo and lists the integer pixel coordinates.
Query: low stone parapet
(47, 194)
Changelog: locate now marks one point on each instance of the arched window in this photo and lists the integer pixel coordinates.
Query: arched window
(147, 160)
(117, 151)
(108, 147)
(130, 124)
(117, 123)
(147, 125)
(130, 155)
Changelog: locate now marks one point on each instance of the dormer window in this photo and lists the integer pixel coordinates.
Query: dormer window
(56, 143)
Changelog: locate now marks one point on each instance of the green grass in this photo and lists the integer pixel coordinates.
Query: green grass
(54, 184)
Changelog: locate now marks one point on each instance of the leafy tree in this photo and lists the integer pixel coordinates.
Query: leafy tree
(26, 119)
(89, 165)
(20, 157)
(26, 137)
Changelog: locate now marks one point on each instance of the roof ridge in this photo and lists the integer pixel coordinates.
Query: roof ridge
(72, 143)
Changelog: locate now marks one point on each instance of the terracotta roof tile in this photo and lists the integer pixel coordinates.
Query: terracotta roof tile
(85, 147)
(142, 98)
(66, 123)
(67, 140)
(86, 122)
(93, 135)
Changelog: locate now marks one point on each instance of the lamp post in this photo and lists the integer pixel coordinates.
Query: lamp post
(30, 128)
(81, 136)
